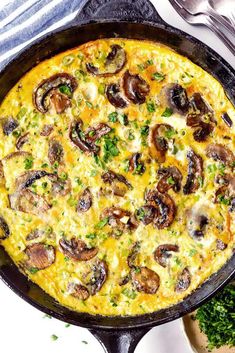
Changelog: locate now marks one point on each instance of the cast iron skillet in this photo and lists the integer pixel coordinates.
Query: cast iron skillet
(128, 19)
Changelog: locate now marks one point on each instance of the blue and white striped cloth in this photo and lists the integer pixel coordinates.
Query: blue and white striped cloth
(22, 21)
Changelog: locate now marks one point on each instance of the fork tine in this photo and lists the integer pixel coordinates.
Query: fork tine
(179, 9)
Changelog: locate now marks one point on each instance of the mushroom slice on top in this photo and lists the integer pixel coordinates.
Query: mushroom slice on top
(146, 214)
(99, 276)
(77, 250)
(55, 152)
(197, 222)
(119, 219)
(22, 140)
(195, 172)
(158, 144)
(165, 206)
(145, 280)
(40, 256)
(175, 97)
(184, 281)
(85, 201)
(115, 97)
(171, 177)
(5, 231)
(2, 176)
(9, 124)
(94, 133)
(17, 154)
(135, 165)
(118, 182)
(133, 255)
(135, 87)
(50, 89)
(220, 153)
(61, 187)
(226, 192)
(226, 118)
(114, 63)
(78, 138)
(28, 202)
(163, 253)
(47, 130)
(78, 291)
(26, 179)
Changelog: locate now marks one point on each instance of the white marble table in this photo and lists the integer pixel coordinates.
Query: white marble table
(25, 330)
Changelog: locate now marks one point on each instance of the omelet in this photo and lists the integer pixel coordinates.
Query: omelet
(117, 177)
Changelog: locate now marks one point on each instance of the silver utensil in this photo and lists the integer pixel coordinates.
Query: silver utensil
(205, 20)
(225, 8)
(196, 7)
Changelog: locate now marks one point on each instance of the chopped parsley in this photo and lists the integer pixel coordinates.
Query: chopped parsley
(102, 223)
(33, 270)
(157, 76)
(123, 119)
(151, 107)
(223, 200)
(110, 148)
(28, 163)
(65, 90)
(167, 112)
(91, 236)
(169, 133)
(129, 293)
(68, 60)
(113, 117)
(170, 181)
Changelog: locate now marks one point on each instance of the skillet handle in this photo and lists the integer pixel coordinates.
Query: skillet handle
(123, 341)
(122, 10)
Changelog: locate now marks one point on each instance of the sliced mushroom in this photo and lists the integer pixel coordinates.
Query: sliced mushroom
(42, 93)
(22, 140)
(35, 234)
(202, 132)
(59, 100)
(135, 165)
(5, 230)
(99, 276)
(133, 255)
(119, 184)
(55, 152)
(226, 118)
(2, 176)
(40, 256)
(163, 253)
(197, 221)
(119, 219)
(145, 280)
(78, 291)
(115, 97)
(85, 201)
(17, 154)
(183, 281)
(195, 173)
(220, 153)
(61, 187)
(165, 206)
(158, 144)
(77, 249)
(28, 202)
(146, 214)
(114, 63)
(26, 179)
(175, 97)
(227, 190)
(77, 136)
(135, 87)
(220, 245)
(171, 177)
(9, 124)
(47, 130)
(94, 133)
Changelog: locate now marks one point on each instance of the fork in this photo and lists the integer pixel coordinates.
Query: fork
(196, 7)
(225, 8)
(205, 20)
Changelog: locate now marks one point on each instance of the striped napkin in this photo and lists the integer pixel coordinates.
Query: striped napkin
(22, 21)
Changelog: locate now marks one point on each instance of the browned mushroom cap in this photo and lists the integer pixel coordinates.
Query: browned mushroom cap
(133, 254)
(166, 208)
(40, 256)
(26, 179)
(145, 280)
(116, 181)
(78, 291)
(47, 130)
(171, 178)
(77, 249)
(77, 136)
(135, 165)
(61, 187)
(119, 219)
(183, 281)
(226, 118)
(2, 176)
(85, 201)
(99, 276)
(161, 254)
(22, 140)
(226, 193)
(146, 214)
(195, 173)
(175, 97)
(114, 63)
(5, 231)
(48, 86)
(35, 234)
(220, 153)
(197, 222)
(115, 97)
(135, 87)
(158, 144)
(55, 152)
(94, 133)
(9, 124)
(59, 100)
(28, 202)
(17, 154)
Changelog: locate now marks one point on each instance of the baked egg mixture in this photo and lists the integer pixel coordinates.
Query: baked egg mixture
(117, 177)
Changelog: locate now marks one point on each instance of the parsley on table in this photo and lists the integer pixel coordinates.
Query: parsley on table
(217, 318)
(54, 337)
